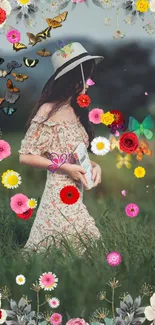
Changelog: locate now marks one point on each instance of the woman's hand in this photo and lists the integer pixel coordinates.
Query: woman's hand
(77, 173)
(96, 175)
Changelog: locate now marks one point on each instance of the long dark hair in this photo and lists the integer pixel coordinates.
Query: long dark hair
(59, 91)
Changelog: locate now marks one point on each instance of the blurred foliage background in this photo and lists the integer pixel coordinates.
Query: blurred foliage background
(127, 72)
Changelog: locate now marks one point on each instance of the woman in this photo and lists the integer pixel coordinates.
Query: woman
(58, 124)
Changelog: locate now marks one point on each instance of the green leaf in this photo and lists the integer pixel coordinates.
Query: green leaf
(109, 321)
(94, 323)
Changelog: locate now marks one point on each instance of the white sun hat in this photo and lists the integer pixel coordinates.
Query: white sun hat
(69, 57)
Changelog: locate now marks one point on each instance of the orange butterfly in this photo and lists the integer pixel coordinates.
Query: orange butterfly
(11, 88)
(142, 150)
(1, 100)
(56, 21)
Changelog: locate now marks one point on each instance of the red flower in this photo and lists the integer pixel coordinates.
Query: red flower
(128, 142)
(0, 314)
(2, 16)
(69, 194)
(118, 117)
(25, 215)
(83, 100)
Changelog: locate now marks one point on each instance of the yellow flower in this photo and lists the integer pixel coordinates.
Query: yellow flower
(11, 179)
(107, 118)
(139, 172)
(23, 2)
(142, 5)
(32, 203)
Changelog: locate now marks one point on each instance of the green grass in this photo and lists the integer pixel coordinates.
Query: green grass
(81, 279)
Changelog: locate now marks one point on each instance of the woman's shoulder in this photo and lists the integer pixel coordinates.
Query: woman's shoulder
(44, 110)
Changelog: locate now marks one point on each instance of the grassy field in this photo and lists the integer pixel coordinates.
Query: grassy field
(81, 279)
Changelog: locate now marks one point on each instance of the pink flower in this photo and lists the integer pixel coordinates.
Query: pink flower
(13, 36)
(90, 82)
(54, 302)
(77, 321)
(114, 258)
(95, 115)
(18, 203)
(78, 1)
(48, 281)
(132, 210)
(5, 149)
(56, 319)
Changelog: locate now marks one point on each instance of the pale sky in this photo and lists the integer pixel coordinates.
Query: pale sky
(82, 21)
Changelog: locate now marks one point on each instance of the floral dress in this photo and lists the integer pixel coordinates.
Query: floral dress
(55, 219)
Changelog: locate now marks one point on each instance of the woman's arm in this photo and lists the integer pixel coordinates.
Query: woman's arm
(39, 162)
(93, 164)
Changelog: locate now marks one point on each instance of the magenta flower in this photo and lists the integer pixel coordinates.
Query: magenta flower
(95, 115)
(48, 281)
(90, 82)
(56, 319)
(114, 258)
(5, 149)
(13, 36)
(77, 321)
(132, 210)
(18, 203)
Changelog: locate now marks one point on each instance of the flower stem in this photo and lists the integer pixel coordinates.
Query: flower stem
(108, 300)
(43, 304)
(113, 302)
(37, 307)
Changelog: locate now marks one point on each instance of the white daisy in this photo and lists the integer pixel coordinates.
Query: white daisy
(3, 316)
(11, 179)
(100, 146)
(32, 203)
(20, 279)
(54, 302)
(24, 9)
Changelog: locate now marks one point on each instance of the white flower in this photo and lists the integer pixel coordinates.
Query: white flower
(150, 310)
(54, 302)
(20, 279)
(5, 5)
(3, 315)
(152, 5)
(100, 146)
(32, 203)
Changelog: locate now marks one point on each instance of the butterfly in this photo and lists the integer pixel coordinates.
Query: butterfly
(114, 144)
(13, 65)
(123, 161)
(1, 100)
(8, 110)
(45, 33)
(1, 60)
(142, 150)
(19, 76)
(11, 97)
(143, 128)
(19, 46)
(10, 87)
(56, 21)
(4, 73)
(44, 53)
(33, 39)
(30, 63)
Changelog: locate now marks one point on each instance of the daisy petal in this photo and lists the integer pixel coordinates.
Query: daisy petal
(152, 301)
(149, 313)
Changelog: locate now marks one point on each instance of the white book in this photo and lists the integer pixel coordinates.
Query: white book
(82, 158)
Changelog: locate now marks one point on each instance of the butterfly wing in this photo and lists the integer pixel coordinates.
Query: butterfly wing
(148, 134)
(62, 17)
(13, 65)
(33, 40)
(19, 46)
(53, 23)
(44, 53)
(119, 160)
(134, 125)
(9, 85)
(11, 97)
(1, 60)
(30, 63)
(1, 100)
(45, 33)
(9, 110)
(148, 122)
(127, 161)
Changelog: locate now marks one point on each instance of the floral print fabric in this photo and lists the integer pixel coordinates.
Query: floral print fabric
(54, 218)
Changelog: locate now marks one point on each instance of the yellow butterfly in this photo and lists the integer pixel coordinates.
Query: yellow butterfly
(19, 46)
(123, 161)
(114, 144)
